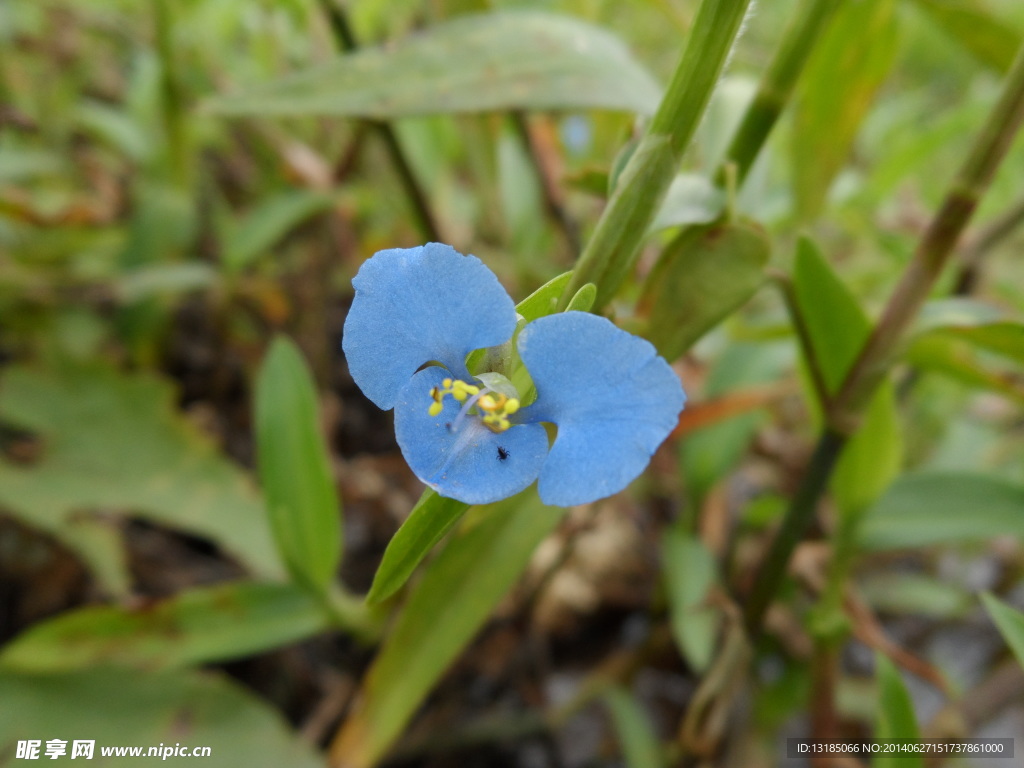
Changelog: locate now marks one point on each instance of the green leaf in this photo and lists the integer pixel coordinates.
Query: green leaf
(703, 275)
(873, 457)
(492, 61)
(115, 443)
(202, 625)
(690, 199)
(151, 280)
(842, 76)
(835, 322)
(953, 352)
(544, 300)
(1005, 339)
(444, 611)
(990, 40)
(837, 329)
(639, 743)
(118, 707)
(895, 716)
(915, 594)
(431, 518)
(295, 470)
(690, 572)
(261, 228)
(955, 312)
(1010, 623)
(982, 325)
(928, 508)
(583, 300)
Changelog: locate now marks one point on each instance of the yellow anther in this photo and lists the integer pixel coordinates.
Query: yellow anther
(492, 407)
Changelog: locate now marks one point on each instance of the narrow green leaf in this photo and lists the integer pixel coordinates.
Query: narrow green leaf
(953, 352)
(431, 518)
(444, 611)
(703, 275)
(981, 324)
(207, 624)
(492, 61)
(1005, 339)
(990, 40)
(895, 716)
(639, 743)
(873, 457)
(928, 508)
(544, 300)
(837, 328)
(168, 279)
(302, 501)
(835, 322)
(1010, 623)
(584, 299)
(116, 707)
(270, 221)
(844, 72)
(915, 594)
(689, 573)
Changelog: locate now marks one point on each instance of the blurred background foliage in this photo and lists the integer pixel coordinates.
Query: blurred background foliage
(191, 512)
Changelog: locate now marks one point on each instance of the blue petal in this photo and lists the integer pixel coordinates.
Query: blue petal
(471, 463)
(414, 305)
(613, 398)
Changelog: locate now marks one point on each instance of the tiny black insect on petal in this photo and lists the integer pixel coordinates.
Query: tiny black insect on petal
(502, 454)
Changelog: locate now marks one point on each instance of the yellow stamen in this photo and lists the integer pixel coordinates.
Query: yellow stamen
(493, 408)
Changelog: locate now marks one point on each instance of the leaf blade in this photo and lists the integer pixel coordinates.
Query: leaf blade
(480, 62)
(202, 625)
(302, 501)
(445, 610)
(427, 523)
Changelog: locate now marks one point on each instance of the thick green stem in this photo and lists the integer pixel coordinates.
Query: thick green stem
(776, 86)
(613, 248)
(871, 367)
(425, 219)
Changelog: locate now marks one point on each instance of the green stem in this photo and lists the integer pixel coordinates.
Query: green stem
(798, 518)
(613, 248)
(425, 219)
(172, 106)
(776, 86)
(933, 252)
(871, 367)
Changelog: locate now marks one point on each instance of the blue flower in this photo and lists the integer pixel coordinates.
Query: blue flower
(475, 436)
